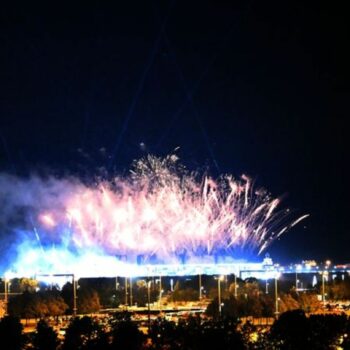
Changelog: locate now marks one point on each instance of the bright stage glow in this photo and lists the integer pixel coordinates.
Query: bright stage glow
(93, 265)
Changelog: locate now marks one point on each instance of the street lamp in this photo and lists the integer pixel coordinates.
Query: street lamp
(75, 286)
(160, 293)
(131, 301)
(277, 275)
(149, 304)
(126, 293)
(236, 286)
(6, 285)
(116, 283)
(298, 267)
(324, 275)
(220, 278)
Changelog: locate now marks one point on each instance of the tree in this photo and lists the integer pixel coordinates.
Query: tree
(126, 335)
(195, 335)
(249, 332)
(67, 295)
(250, 305)
(37, 305)
(291, 331)
(287, 303)
(45, 337)
(55, 304)
(308, 302)
(230, 308)
(84, 333)
(339, 289)
(28, 305)
(140, 294)
(209, 335)
(187, 294)
(326, 330)
(267, 305)
(11, 333)
(250, 288)
(20, 285)
(244, 305)
(88, 301)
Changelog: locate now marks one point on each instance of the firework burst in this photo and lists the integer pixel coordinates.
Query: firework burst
(160, 210)
(164, 210)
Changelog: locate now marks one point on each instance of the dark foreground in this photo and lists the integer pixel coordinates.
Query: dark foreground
(293, 330)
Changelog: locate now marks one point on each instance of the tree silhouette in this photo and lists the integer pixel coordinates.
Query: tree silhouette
(308, 302)
(338, 289)
(326, 330)
(88, 301)
(291, 331)
(11, 333)
(287, 303)
(45, 337)
(37, 305)
(187, 294)
(196, 335)
(82, 333)
(126, 334)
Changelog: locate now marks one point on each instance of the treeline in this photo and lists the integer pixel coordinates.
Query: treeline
(252, 301)
(38, 301)
(335, 289)
(246, 298)
(293, 330)
(52, 302)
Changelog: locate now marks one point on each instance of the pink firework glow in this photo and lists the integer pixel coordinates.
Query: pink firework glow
(161, 209)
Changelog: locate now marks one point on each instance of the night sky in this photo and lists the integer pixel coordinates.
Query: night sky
(260, 88)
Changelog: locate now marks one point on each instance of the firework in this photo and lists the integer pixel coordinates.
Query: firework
(160, 211)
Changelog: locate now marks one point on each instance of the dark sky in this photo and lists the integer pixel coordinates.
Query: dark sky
(260, 88)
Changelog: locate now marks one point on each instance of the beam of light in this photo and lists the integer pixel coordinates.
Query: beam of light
(160, 210)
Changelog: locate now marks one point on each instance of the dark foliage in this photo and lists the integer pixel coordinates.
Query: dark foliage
(126, 335)
(193, 334)
(37, 305)
(11, 333)
(84, 333)
(45, 337)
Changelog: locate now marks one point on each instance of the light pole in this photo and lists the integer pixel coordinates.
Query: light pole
(276, 294)
(200, 286)
(149, 303)
(131, 291)
(236, 286)
(220, 278)
(266, 286)
(324, 274)
(6, 285)
(160, 293)
(298, 284)
(126, 292)
(75, 282)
